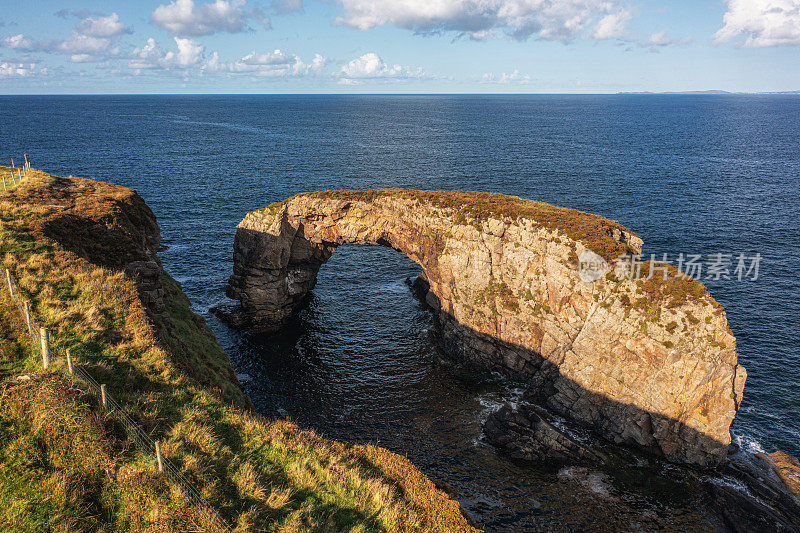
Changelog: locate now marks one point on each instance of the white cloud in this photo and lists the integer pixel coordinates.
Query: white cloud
(184, 19)
(763, 22)
(515, 77)
(561, 20)
(19, 70)
(275, 64)
(152, 56)
(20, 42)
(612, 26)
(370, 66)
(90, 40)
(660, 39)
(83, 44)
(102, 26)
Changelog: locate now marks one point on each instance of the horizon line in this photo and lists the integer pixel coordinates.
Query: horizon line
(616, 93)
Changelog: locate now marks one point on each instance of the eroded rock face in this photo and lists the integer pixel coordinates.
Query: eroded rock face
(530, 290)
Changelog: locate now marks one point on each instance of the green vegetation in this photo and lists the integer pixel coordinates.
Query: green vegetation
(497, 292)
(594, 231)
(66, 241)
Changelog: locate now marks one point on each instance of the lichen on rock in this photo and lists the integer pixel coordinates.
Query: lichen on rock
(648, 362)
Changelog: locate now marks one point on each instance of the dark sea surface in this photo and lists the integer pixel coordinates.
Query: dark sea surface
(690, 174)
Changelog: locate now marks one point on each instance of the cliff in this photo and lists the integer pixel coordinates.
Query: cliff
(528, 289)
(84, 253)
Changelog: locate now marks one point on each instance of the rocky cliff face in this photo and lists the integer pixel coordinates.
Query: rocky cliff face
(530, 290)
(109, 225)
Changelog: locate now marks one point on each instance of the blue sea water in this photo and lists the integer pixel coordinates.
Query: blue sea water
(690, 174)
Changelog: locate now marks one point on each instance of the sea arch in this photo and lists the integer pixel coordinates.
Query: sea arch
(646, 363)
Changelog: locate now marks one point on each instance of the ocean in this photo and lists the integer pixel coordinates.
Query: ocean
(715, 177)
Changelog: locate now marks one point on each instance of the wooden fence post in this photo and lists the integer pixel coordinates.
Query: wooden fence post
(104, 396)
(45, 347)
(10, 285)
(69, 361)
(159, 458)
(4, 183)
(27, 306)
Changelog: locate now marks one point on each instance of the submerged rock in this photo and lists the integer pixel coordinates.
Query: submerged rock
(529, 290)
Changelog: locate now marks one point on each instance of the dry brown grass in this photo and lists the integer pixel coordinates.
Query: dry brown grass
(594, 231)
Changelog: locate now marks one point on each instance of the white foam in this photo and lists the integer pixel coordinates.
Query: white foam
(748, 444)
(595, 482)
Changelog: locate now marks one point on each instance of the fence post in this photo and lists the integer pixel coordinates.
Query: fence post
(104, 396)
(45, 347)
(69, 361)
(10, 285)
(4, 182)
(27, 306)
(159, 458)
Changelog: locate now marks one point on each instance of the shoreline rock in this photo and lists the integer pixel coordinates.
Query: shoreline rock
(527, 433)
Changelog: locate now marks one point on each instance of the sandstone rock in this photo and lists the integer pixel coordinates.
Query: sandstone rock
(647, 362)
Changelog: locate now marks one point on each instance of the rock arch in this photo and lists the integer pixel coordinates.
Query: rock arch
(530, 290)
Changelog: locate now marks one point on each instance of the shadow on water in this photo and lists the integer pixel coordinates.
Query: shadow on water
(361, 363)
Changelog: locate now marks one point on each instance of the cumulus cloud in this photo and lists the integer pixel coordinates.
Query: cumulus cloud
(562, 20)
(660, 39)
(20, 42)
(612, 26)
(275, 64)
(152, 56)
(83, 44)
(91, 40)
(19, 70)
(81, 48)
(515, 77)
(102, 26)
(185, 19)
(761, 22)
(371, 66)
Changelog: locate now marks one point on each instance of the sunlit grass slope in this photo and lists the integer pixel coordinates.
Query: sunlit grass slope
(65, 466)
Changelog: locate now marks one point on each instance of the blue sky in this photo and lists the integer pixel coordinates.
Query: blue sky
(398, 46)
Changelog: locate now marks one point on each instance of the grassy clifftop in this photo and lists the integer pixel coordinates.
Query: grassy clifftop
(469, 207)
(70, 243)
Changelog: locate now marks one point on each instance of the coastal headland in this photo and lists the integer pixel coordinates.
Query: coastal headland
(84, 254)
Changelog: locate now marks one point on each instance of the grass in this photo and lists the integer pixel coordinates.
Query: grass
(66, 241)
(596, 232)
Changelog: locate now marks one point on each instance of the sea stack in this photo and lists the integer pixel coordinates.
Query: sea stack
(550, 296)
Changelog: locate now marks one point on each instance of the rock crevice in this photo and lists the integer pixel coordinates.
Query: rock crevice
(530, 290)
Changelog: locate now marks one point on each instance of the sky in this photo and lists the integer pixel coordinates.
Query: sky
(398, 46)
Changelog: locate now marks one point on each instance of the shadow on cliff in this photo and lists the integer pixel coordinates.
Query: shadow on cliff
(529, 431)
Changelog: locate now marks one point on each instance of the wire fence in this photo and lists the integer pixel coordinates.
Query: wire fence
(41, 340)
(16, 174)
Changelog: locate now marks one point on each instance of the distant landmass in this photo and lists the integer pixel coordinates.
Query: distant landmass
(713, 91)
